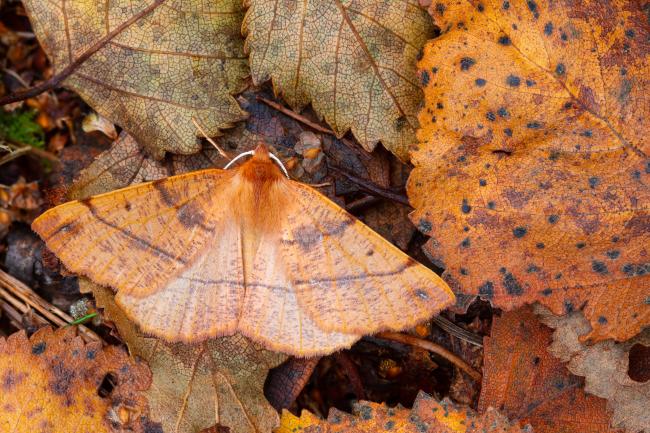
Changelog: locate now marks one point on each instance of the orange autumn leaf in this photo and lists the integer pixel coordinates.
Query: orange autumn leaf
(216, 252)
(427, 416)
(531, 175)
(526, 382)
(52, 381)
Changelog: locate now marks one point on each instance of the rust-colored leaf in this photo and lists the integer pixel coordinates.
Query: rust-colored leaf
(150, 72)
(531, 175)
(618, 372)
(55, 382)
(194, 385)
(427, 415)
(353, 60)
(526, 382)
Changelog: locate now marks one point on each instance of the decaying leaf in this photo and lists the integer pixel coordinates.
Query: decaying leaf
(354, 60)
(523, 380)
(54, 382)
(18, 202)
(532, 172)
(609, 368)
(193, 386)
(164, 64)
(427, 415)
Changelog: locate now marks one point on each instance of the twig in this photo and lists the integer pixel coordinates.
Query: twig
(372, 188)
(313, 125)
(28, 296)
(432, 347)
(55, 80)
(17, 150)
(211, 141)
(15, 316)
(457, 331)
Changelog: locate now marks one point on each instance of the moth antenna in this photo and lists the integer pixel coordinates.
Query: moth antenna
(211, 141)
(251, 152)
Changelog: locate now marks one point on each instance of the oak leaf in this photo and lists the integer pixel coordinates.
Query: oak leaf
(353, 60)
(149, 66)
(526, 382)
(427, 415)
(531, 175)
(53, 382)
(194, 385)
(609, 368)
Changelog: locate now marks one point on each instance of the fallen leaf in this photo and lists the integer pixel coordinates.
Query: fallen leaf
(523, 380)
(18, 202)
(97, 122)
(608, 368)
(152, 66)
(194, 385)
(280, 237)
(353, 60)
(531, 175)
(427, 415)
(55, 382)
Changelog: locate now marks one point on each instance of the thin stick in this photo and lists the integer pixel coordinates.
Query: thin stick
(28, 296)
(211, 141)
(457, 331)
(55, 80)
(372, 188)
(431, 347)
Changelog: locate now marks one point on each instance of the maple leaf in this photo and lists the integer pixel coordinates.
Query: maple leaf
(148, 66)
(353, 60)
(52, 382)
(193, 385)
(427, 415)
(608, 368)
(526, 382)
(531, 175)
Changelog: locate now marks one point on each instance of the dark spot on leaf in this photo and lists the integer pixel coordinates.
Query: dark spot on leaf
(602, 320)
(424, 78)
(491, 205)
(548, 28)
(519, 232)
(424, 226)
(532, 5)
(629, 33)
(536, 360)
(586, 133)
(593, 181)
(564, 36)
(599, 267)
(503, 112)
(513, 81)
(440, 8)
(512, 285)
(464, 271)
(91, 354)
(533, 125)
(486, 289)
(613, 254)
(370, 253)
(504, 40)
(482, 182)
(434, 70)
(439, 105)
(465, 207)
(560, 69)
(465, 243)
(466, 63)
(480, 7)
(540, 245)
(508, 132)
(553, 218)
(505, 5)
(491, 116)
(532, 269)
(568, 307)
(547, 292)
(580, 245)
(530, 83)
(39, 348)
(480, 82)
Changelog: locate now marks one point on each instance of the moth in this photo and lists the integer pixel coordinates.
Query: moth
(244, 250)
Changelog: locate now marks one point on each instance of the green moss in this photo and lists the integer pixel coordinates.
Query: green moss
(20, 127)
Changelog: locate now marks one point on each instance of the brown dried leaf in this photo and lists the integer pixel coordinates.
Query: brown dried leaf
(532, 173)
(427, 415)
(51, 382)
(608, 368)
(353, 60)
(194, 385)
(180, 61)
(526, 382)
